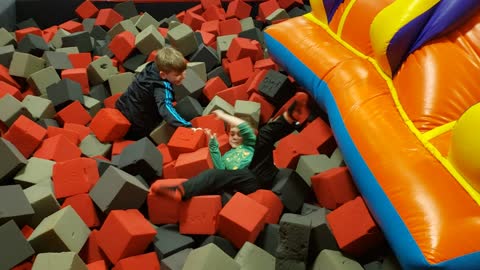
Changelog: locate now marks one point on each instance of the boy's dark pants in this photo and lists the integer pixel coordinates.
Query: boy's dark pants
(259, 174)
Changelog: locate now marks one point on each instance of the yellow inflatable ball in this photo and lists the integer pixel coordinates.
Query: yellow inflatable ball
(464, 152)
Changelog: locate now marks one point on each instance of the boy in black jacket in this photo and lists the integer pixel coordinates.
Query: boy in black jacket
(149, 98)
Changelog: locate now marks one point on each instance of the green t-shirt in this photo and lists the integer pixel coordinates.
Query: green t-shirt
(235, 158)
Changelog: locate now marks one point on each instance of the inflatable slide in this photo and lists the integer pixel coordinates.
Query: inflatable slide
(400, 81)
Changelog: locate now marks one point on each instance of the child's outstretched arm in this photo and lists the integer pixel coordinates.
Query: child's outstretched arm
(164, 99)
(229, 119)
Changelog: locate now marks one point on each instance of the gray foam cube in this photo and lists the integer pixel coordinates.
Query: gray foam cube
(189, 108)
(12, 108)
(35, 171)
(81, 40)
(127, 9)
(11, 160)
(209, 257)
(64, 93)
(247, 23)
(320, 235)
(32, 44)
(13, 247)
(24, 64)
(334, 260)
(125, 25)
(294, 237)
(39, 108)
(91, 146)
(286, 264)
(145, 20)
(207, 55)
(182, 38)
(175, 261)
(218, 103)
(223, 43)
(278, 14)
(309, 165)
(192, 86)
(6, 54)
(43, 201)
(58, 60)
(248, 111)
(58, 261)
(149, 40)
(68, 50)
(168, 242)
(337, 158)
(119, 83)
(251, 257)
(162, 133)
(142, 158)
(116, 190)
(42, 79)
(6, 38)
(100, 70)
(291, 189)
(56, 40)
(199, 68)
(92, 105)
(269, 238)
(63, 230)
(14, 205)
(225, 245)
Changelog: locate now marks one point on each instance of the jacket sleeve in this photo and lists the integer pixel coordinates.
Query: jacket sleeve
(215, 154)
(164, 99)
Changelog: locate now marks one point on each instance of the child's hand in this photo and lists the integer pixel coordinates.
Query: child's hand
(208, 132)
(195, 129)
(218, 113)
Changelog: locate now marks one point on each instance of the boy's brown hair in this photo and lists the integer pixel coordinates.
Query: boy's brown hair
(169, 59)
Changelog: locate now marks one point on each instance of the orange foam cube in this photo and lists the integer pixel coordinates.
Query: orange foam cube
(74, 113)
(26, 135)
(58, 148)
(83, 205)
(109, 125)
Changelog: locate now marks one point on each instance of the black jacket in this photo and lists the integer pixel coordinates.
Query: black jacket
(148, 101)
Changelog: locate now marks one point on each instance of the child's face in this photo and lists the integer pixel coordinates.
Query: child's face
(234, 137)
(174, 77)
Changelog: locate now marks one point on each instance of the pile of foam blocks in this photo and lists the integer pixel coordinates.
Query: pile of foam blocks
(75, 195)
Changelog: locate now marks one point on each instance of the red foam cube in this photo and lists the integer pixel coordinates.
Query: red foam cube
(110, 101)
(238, 225)
(86, 10)
(91, 251)
(320, 135)
(266, 8)
(238, 9)
(359, 239)
(334, 187)
(83, 205)
(21, 33)
(211, 122)
(98, 265)
(6, 88)
(125, 233)
(118, 146)
(191, 164)
(266, 108)
(74, 113)
(5, 77)
(206, 3)
(167, 157)
(74, 176)
(109, 125)
(107, 17)
(147, 261)
(213, 86)
(212, 13)
(78, 75)
(241, 70)
(163, 210)
(122, 45)
(234, 93)
(58, 148)
(26, 135)
(70, 135)
(80, 60)
(185, 140)
(230, 27)
(199, 215)
(71, 26)
(241, 48)
(290, 148)
(271, 201)
(81, 130)
(193, 20)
